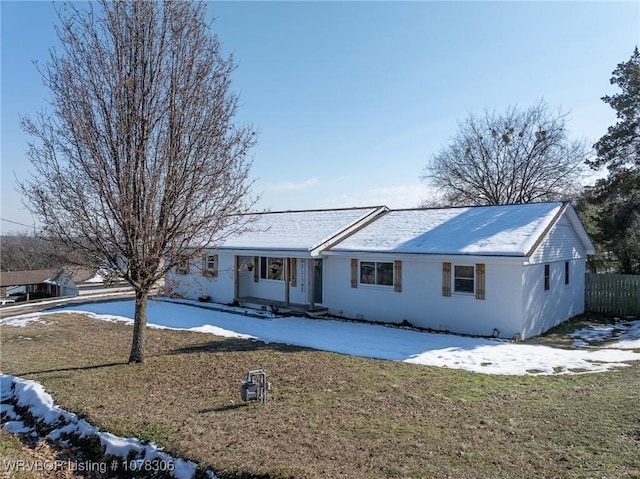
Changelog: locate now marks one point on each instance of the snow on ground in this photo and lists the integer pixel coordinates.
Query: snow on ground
(31, 395)
(626, 335)
(489, 356)
(482, 355)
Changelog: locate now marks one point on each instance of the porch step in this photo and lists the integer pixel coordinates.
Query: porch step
(279, 306)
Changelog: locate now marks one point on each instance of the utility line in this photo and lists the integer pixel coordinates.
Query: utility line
(16, 223)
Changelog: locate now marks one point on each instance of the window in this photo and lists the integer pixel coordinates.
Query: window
(272, 268)
(463, 279)
(466, 279)
(373, 272)
(546, 277)
(182, 267)
(566, 272)
(210, 265)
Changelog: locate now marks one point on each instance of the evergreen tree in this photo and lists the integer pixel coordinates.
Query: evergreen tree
(617, 197)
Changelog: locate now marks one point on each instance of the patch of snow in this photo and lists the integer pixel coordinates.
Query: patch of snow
(482, 355)
(24, 320)
(8, 410)
(518, 359)
(624, 334)
(102, 275)
(16, 427)
(32, 395)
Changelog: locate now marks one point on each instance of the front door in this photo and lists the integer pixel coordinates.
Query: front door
(317, 281)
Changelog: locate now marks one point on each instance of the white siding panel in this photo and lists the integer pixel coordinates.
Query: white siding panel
(194, 284)
(561, 243)
(421, 301)
(546, 309)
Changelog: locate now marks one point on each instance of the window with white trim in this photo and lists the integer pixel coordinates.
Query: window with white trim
(272, 268)
(210, 265)
(376, 272)
(464, 279)
(182, 267)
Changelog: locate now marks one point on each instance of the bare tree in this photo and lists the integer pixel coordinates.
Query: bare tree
(139, 158)
(25, 251)
(519, 156)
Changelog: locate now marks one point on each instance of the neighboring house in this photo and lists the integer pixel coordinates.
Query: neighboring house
(501, 271)
(55, 282)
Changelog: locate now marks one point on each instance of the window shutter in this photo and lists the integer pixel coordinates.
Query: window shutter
(256, 269)
(215, 267)
(293, 272)
(446, 279)
(354, 273)
(480, 289)
(397, 276)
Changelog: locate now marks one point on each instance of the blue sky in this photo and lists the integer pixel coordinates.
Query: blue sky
(353, 98)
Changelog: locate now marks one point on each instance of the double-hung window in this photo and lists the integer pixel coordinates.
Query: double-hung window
(464, 279)
(210, 265)
(182, 267)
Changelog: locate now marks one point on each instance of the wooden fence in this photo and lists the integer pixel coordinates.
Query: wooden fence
(617, 294)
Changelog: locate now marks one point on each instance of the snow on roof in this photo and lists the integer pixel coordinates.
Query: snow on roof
(296, 230)
(510, 230)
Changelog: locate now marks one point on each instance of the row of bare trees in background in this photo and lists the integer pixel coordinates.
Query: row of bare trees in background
(27, 252)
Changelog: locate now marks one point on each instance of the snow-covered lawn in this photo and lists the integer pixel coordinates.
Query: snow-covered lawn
(488, 356)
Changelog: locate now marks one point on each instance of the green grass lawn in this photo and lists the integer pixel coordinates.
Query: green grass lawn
(330, 415)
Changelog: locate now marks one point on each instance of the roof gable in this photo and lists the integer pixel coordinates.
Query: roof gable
(510, 230)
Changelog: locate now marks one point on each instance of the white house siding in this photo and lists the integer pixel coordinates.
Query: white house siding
(64, 285)
(194, 284)
(421, 301)
(544, 309)
(562, 243)
(221, 288)
(68, 287)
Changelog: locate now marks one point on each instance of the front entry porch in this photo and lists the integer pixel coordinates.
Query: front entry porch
(279, 306)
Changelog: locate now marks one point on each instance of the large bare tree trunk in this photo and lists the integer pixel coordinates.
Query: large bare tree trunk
(139, 327)
(139, 163)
